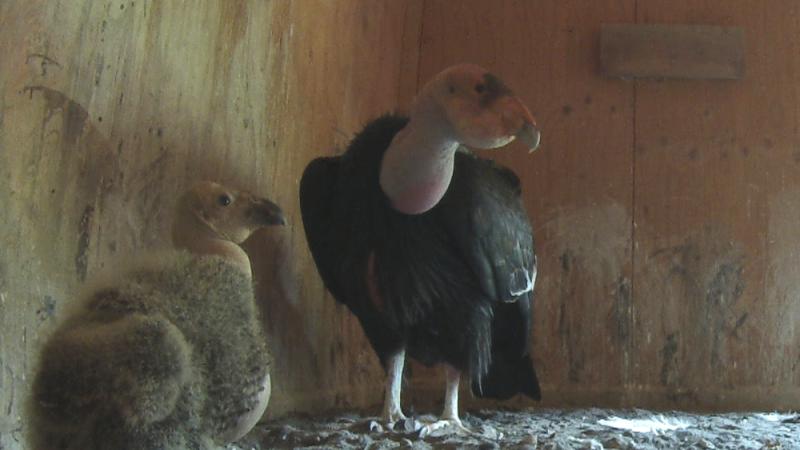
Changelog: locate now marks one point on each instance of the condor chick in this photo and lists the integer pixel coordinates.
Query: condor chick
(169, 354)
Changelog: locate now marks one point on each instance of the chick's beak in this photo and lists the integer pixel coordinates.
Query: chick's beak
(264, 212)
(528, 133)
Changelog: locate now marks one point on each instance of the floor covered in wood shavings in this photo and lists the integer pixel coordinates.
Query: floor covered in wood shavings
(550, 429)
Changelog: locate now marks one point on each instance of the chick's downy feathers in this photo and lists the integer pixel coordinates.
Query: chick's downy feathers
(169, 353)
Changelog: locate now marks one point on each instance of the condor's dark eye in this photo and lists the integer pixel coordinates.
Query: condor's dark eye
(451, 89)
(224, 200)
(479, 88)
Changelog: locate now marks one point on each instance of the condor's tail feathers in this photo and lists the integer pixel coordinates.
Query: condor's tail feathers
(508, 377)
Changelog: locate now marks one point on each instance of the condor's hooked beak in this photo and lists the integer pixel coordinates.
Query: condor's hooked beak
(530, 136)
(528, 133)
(264, 212)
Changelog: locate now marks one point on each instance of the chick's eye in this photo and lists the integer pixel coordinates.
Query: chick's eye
(224, 200)
(479, 88)
(451, 89)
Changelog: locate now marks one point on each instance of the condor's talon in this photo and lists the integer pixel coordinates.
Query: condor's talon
(443, 427)
(396, 423)
(449, 421)
(390, 419)
(412, 425)
(375, 427)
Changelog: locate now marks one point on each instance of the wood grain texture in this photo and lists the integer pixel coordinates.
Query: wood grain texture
(109, 108)
(717, 175)
(672, 51)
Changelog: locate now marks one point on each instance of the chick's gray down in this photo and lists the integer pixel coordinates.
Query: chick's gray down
(167, 358)
(168, 354)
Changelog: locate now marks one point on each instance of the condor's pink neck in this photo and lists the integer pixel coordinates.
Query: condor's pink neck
(417, 167)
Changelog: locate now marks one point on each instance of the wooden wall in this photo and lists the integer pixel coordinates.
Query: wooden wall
(717, 214)
(109, 108)
(665, 211)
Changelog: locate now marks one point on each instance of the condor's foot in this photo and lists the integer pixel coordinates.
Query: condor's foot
(392, 416)
(443, 427)
(449, 422)
(395, 421)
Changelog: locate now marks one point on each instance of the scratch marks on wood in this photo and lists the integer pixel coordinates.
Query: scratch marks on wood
(669, 360)
(99, 66)
(784, 262)
(12, 389)
(3, 367)
(149, 198)
(622, 314)
(84, 239)
(3, 275)
(47, 308)
(783, 285)
(726, 286)
(43, 61)
(592, 244)
(704, 279)
(597, 236)
(3, 317)
(722, 293)
(739, 322)
(570, 340)
(623, 310)
(74, 115)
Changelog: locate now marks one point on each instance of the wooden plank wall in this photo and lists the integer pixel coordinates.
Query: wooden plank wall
(665, 211)
(109, 108)
(717, 208)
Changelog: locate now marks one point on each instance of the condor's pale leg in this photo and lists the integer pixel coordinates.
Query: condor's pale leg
(392, 413)
(449, 417)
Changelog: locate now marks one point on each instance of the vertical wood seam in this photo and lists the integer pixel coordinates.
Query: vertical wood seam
(423, 15)
(631, 317)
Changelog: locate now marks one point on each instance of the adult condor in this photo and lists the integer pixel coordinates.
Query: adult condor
(429, 245)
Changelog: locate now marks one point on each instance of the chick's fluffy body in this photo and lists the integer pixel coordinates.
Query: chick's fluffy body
(167, 356)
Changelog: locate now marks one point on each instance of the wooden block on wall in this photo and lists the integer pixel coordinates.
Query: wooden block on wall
(672, 51)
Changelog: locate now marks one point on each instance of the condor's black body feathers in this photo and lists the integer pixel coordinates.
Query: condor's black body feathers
(449, 280)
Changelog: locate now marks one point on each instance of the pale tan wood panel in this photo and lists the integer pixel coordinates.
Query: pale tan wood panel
(109, 108)
(672, 51)
(717, 203)
(577, 186)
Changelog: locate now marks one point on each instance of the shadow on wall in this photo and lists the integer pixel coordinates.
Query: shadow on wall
(295, 366)
(125, 197)
(76, 182)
